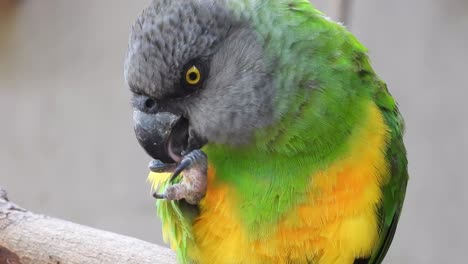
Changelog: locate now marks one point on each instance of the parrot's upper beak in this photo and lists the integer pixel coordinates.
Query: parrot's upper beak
(163, 135)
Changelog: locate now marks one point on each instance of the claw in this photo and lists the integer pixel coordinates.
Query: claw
(181, 167)
(157, 195)
(156, 190)
(188, 161)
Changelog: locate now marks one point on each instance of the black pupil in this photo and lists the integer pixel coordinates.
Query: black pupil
(193, 76)
(149, 103)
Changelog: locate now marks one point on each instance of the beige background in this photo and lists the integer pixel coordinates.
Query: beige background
(66, 141)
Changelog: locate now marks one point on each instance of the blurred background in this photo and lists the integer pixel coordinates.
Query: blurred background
(67, 147)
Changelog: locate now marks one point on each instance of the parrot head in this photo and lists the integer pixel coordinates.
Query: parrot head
(198, 75)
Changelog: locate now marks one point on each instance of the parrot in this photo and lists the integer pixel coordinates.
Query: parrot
(271, 137)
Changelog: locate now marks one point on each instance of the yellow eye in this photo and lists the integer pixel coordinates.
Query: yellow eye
(193, 76)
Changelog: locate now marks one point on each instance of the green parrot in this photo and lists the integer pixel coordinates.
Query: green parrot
(273, 140)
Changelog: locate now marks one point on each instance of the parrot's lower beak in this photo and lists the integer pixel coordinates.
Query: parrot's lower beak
(164, 136)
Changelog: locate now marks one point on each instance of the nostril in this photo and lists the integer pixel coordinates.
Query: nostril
(149, 103)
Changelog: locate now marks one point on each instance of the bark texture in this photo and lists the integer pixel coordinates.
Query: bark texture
(28, 238)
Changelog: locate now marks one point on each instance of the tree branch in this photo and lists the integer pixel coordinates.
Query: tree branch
(28, 238)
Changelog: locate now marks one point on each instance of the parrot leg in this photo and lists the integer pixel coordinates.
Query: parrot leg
(192, 188)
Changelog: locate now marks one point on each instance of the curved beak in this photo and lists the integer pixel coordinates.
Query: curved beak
(154, 132)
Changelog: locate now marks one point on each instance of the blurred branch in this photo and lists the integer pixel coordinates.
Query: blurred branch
(341, 10)
(8, 10)
(28, 238)
(8, 6)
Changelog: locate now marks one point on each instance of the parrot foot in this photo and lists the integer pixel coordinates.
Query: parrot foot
(192, 188)
(195, 158)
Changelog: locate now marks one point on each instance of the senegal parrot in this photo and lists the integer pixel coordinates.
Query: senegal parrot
(272, 138)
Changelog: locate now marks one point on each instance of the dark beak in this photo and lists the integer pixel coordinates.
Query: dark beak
(163, 135)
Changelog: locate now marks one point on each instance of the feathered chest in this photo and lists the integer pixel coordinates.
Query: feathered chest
(333, 220)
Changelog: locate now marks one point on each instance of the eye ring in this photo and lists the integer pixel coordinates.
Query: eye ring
(193, 76)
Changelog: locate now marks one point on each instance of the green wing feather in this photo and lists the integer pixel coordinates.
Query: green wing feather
(394, 190)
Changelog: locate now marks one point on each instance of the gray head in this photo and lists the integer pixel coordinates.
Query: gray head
(202, 68)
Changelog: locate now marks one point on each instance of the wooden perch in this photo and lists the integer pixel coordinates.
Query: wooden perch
(28, 238)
